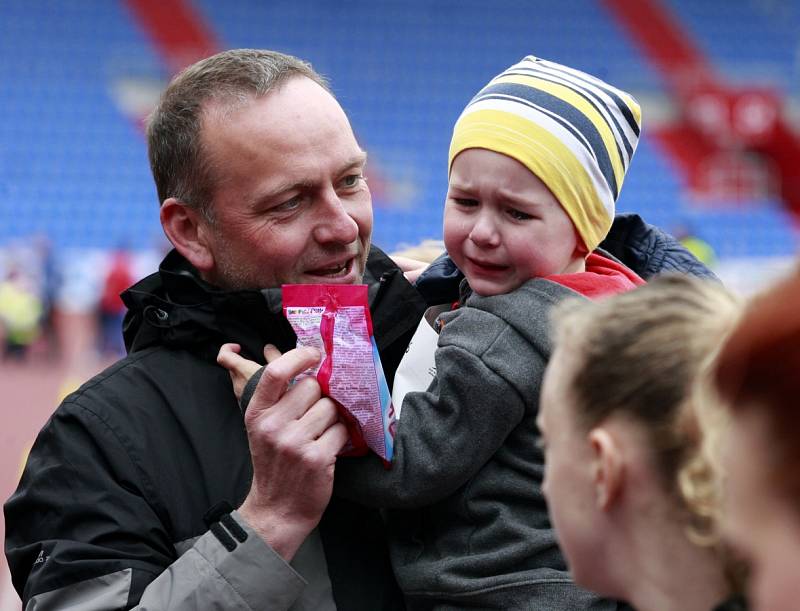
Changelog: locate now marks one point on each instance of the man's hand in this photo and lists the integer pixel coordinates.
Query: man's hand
(294, 438)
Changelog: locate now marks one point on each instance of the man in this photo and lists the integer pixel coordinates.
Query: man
(148, 487)
(261, 183)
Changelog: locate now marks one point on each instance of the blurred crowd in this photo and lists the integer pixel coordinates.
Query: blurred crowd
(44, 290)
(29, 284)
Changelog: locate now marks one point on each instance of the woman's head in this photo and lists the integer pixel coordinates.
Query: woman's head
(616, 411)
(758, 378)
(541, 150)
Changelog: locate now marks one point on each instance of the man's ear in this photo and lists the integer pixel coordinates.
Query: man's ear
(188, 231)
(608, 467)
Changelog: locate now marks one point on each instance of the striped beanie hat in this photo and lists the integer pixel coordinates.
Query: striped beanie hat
(576, 133)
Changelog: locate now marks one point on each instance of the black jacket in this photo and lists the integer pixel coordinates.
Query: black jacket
(120, 478)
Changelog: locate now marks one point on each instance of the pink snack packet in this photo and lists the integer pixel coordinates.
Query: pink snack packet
(335, 319)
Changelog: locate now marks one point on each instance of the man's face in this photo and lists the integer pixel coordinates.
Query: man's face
(290, 204)
(503, 226)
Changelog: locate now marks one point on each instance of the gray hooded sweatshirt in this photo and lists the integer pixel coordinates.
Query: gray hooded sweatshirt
(468, 521)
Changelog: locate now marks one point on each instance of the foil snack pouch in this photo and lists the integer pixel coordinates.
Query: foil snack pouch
(335, 319)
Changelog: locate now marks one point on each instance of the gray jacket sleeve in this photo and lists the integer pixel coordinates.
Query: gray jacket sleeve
(486, 375)
(251, 576)
(206, 576)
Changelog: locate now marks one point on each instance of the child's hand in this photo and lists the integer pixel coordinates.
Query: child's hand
(239, 368)
(411, 268)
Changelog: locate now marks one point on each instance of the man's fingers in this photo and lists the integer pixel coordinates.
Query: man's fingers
(277, 375)
(319, 417)
(334, 439)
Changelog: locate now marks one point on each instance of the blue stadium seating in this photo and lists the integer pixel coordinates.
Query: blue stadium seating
(748, 42)
(73, 163)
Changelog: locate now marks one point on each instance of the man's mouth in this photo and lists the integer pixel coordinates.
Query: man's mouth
(333, 271)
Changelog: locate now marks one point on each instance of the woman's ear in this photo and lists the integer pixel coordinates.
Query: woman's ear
(187, 229)
(608, 467)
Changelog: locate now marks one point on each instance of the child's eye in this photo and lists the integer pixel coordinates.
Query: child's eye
(518, 215)
(467, 203)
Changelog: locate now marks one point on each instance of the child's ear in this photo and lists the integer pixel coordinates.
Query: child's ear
(580, 245)
(608, 469)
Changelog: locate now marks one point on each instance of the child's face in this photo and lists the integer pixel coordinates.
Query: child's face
(503, 226)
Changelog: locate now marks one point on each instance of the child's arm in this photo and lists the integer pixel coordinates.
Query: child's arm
(241, 369)
(446, 434)
(488, 375)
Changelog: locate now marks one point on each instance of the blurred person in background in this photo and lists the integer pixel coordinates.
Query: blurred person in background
(177, 500)
(110, 308)
(20, 314)
(696, 245)
(758, 378)
(50, 285)
(626, 478)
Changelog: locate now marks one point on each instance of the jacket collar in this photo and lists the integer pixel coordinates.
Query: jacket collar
(176, 308)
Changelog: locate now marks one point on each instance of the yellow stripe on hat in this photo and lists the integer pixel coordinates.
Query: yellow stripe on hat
(632, 105)
(571, 97)
(547, 157)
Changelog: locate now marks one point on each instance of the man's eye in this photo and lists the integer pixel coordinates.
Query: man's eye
(289, 204)
(352, 180)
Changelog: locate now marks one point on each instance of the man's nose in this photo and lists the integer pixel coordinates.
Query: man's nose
(335, 223)
(484, 231)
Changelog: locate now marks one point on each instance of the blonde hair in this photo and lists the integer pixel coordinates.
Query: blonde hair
(639, 355)
(701, 477)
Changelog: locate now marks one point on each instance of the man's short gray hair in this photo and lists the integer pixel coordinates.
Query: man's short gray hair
(180, 167)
